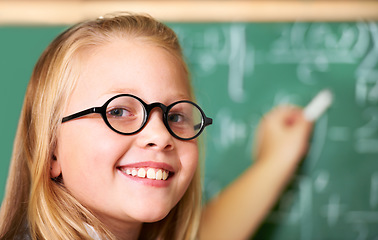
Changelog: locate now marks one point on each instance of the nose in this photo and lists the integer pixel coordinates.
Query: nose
(155, 135)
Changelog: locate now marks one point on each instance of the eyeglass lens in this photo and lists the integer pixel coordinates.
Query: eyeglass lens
(127, 115)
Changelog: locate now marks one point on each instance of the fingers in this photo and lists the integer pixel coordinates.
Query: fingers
(283, 131)
(289, 116)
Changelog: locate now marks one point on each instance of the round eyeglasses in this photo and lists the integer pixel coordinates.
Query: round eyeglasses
(127, 114)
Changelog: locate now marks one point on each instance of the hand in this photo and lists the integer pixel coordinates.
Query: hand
(283, 135)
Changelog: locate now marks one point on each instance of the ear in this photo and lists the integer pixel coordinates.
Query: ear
(55, 169)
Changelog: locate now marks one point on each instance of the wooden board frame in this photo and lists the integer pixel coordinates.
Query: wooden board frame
(68, 12)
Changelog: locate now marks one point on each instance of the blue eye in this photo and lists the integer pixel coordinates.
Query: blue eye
(119, 112)
(175, 118)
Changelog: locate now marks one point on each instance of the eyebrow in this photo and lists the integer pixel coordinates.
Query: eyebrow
(121, 90)
(173, 98)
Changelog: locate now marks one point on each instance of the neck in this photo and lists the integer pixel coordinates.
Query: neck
(126, 231)
(122, 230)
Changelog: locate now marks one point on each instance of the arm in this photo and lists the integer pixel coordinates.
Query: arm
(237, 212)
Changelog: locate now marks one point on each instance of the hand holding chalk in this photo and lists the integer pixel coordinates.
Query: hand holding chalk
(318, 105)
(289, 140)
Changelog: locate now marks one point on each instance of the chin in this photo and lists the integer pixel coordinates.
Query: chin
(154, 217)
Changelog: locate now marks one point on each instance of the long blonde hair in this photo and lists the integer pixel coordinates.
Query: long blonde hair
(42, 207)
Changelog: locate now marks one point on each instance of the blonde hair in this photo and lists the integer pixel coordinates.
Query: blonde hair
(43, 204)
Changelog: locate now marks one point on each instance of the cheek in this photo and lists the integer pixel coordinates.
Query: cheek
(189, 160)
(87, 157)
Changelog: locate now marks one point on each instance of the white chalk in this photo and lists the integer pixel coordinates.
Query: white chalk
(318, 105)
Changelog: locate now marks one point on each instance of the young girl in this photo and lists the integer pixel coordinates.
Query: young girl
(106, 146)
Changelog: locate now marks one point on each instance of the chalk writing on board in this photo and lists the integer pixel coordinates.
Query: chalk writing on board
(374, 191)
(321, 181)
(314, 46)
(306, 206)
(366, 140)
(367, 72)
(227, 47)
(367, 96)
(318, 140)
(236, 60)
(231, 130)
(333, 210)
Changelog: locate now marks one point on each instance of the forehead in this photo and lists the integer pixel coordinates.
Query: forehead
(141, 68)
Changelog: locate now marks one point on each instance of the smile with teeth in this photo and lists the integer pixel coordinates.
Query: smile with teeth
(150, 173)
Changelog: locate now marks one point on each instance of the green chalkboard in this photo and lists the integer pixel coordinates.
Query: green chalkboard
(240, 71)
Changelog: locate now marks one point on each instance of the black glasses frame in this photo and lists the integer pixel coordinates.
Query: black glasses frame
(206, 121)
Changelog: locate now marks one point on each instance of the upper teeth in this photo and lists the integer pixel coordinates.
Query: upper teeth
(150, 173)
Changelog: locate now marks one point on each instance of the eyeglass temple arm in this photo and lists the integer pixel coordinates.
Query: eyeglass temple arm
(207, 122)
(82, 113)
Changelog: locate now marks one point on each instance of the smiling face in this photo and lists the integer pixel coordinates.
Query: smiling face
(112, 174)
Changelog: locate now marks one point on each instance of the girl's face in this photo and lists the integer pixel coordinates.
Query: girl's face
(93, 159)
